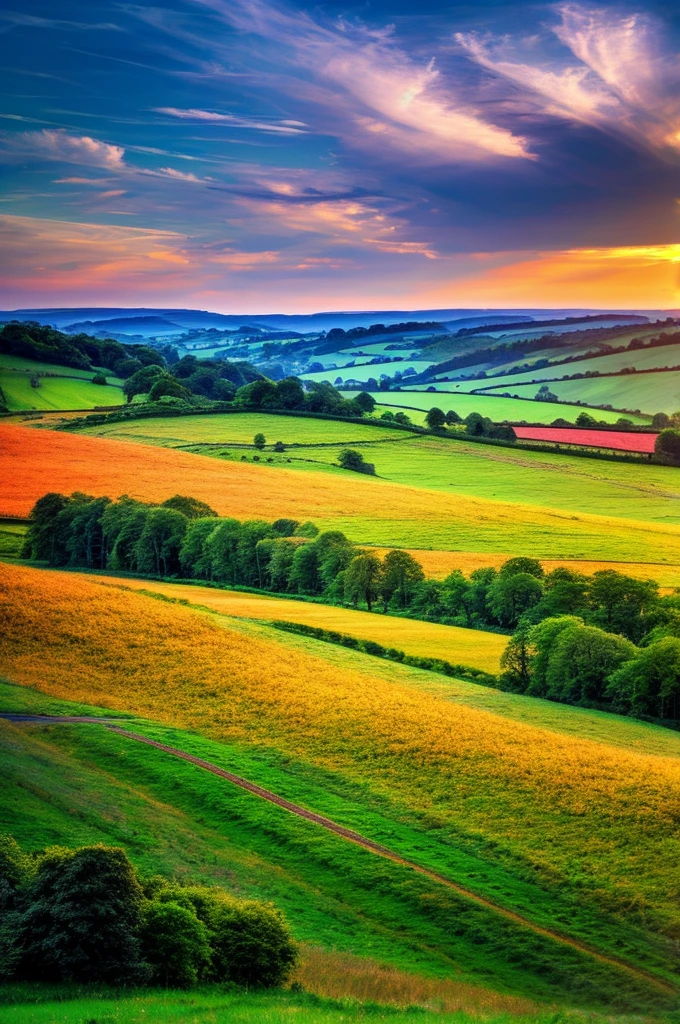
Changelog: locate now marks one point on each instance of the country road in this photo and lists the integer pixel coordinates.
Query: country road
(345, 833)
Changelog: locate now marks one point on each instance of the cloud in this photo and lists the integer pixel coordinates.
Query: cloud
(625, 83)
(57, 144)
(285, 127)
(373, 94)
(12, 18)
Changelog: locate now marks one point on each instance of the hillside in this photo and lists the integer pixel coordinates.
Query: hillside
(375, 748)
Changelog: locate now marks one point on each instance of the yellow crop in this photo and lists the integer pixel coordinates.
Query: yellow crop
(562, 805)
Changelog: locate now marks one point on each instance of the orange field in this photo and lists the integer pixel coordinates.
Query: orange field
(560, 803)
(370, 511)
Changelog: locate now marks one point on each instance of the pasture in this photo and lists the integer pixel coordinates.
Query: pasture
(472, 499)
(376, 746)
(515, 410)
(55, 392)
(363, 371)
(649, 392)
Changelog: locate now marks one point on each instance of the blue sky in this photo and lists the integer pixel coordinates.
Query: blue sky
(250, 156)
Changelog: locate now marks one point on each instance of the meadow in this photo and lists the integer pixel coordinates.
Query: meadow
(649, 392)
(469, 647)
(12, 362)
(474, 499)
(514, 410)
(363, 371)
(55, 392)
(547, 811)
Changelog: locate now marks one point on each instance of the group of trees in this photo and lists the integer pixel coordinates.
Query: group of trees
(80, 351)
(85, 915)
(613, 619)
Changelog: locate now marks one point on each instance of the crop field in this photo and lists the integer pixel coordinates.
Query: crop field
(55, 392)
(377, 746)
(649, 392)
(619, 439)
(514, 410)
(469, 647)
(476, 500)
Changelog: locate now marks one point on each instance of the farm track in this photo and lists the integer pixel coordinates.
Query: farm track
(350, 836)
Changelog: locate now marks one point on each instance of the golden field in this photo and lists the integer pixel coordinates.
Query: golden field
(469, 647)
(370, 511)
(573, 811)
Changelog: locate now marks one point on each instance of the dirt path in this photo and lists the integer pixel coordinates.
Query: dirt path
(350, 836)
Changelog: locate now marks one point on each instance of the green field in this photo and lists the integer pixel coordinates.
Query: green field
(363, 371)
(10, 362)
(649, 392)
(55, 392)
(416, 403)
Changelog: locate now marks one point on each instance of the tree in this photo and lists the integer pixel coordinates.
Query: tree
(564, 593)
(259, 441)
(174, 944)
(362, 579)
(194, 554)
(649, 684)
(304, 575)
(474, 424)
(249, 567)
(516, 661)
(365, 402)
(668, 443)
(157, 550)
(522, 564)
(581, 661)
(141, 381)
(165, 386)
(660, 420)
(41, 538)
(80, 918)
(510, 596)
(285, 527)
(99, 378)
(541, 641)
(621, 602)
(280, 563)
(252, 944)
(584, 419)
(452, 417)
(400, 576)
(307, 529)
(35, 381)
(220, 551)
(456, 595)
(435, 418)
(351, 459)
(334, 553)
(279, 446)
(402, 417)
(192, 508)
(122, 525)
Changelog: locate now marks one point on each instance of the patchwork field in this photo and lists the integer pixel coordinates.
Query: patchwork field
(649, 392)
(378, 747)
(515, 410)
(617, 439)
(490, 505)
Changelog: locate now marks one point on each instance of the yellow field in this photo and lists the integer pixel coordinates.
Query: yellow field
(573, 811)
(370, 511)
(470, 647)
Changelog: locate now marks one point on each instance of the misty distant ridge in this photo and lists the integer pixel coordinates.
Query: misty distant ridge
(153, 321)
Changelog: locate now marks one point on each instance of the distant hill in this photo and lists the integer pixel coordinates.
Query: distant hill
(139, 324)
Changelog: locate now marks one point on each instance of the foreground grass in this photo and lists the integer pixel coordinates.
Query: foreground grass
(571, 833)
(52, 1005)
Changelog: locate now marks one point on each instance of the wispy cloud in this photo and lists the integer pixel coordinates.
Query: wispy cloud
(16, 18)
(625, 82)
(375, 94)
(285, 127)
(58, 144)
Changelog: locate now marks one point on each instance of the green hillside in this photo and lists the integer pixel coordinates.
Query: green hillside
(60, 392)
(649, 392)
(497, 409)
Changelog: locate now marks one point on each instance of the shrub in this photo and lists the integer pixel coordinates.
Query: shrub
(99, 378)
(259, 441)
(353, 460)
(174, 945)
(668, 443)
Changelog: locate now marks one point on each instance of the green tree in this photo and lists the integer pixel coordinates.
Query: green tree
(516, 661)
(250, 570)
(86, 544)
(581, 661)
(157, 550)
(510, 596)
(290, 393)
(220, 551)
(351, 459)
(514, 566)
(252, 944)
(194, 554)
(452, 417)
(584, 419)
(365, 402)
(620, 603)
(667, 443)
(166, 386)
(660, 420)
(400, 576)
(259, 441)
(41, 538)
(174, 944)
(564, 593)
(306, 529)
(475, 425)
(80, 919)
(363, 579)
(122, 525)
(456, 597)
(285, 527)
(192, 508)
(141, 382)
(435, 418)
(99, 378)
(542, 639)
(280, 563)
(304, 575)
(334, 553)
(649, 684)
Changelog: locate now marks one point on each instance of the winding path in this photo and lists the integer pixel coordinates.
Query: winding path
(347, 834)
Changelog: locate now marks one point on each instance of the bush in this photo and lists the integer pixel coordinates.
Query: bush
(668, 443)
(174, 945)
(99, 378)
(351, 459)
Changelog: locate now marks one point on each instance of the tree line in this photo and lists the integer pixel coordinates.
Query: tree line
(85, 915)
(617, 619)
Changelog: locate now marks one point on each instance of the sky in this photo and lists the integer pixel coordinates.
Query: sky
(250, 156)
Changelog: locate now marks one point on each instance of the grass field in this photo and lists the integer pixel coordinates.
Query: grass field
(55, 392)
(649, 392)
(545, 810)
(417, 403)
(469, 647)
(364, 370)
(481, 498)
